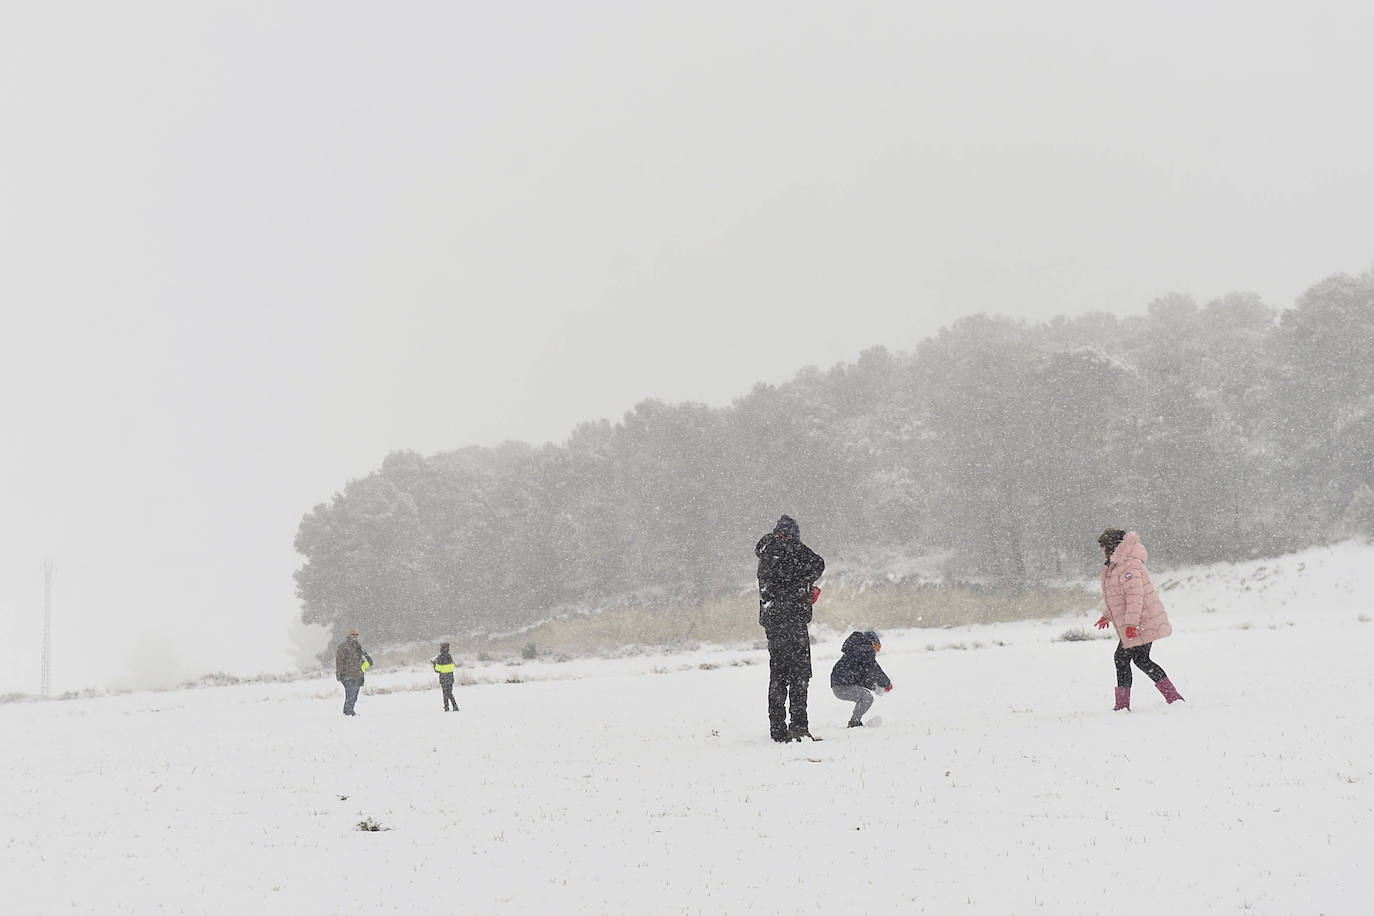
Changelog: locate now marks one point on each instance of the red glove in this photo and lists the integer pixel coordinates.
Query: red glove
(1103, 622)
(1132, 633)
(889, 688)
(815, 593)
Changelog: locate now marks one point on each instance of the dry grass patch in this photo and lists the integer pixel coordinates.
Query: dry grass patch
(733, 619)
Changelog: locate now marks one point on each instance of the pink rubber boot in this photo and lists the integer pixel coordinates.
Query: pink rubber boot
(1167, 688)
(1123, 699)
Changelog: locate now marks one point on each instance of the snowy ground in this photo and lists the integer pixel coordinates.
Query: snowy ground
(999, 781)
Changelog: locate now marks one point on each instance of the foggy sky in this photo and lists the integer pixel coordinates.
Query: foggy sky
(246, 250)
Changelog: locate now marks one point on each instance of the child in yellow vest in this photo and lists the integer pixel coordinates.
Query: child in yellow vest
(443, 665)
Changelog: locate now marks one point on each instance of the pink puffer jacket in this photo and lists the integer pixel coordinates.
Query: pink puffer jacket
(1131, 598)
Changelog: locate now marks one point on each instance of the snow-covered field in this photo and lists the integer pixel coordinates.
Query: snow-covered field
(999, 781)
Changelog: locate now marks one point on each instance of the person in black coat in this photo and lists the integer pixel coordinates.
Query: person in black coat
(788, 570)
(858, 672)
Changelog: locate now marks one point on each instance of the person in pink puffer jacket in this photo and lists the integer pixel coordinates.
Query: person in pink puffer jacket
(1134, 609)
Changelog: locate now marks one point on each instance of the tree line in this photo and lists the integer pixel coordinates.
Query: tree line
(1220, 432)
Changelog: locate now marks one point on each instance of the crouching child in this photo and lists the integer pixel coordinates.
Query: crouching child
(858, 673)
(443, 665)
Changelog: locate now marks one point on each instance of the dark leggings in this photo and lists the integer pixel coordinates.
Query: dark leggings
(1141, 656)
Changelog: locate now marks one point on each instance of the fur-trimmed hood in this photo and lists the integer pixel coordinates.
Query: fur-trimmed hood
(1130, 548)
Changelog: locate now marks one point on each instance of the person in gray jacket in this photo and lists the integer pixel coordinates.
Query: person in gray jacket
(351, 662)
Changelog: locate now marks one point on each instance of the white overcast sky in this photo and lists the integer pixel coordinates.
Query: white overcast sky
(247, 249)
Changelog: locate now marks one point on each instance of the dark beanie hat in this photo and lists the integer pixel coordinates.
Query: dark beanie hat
(1111, 538)
(787, 527)
(872, 636)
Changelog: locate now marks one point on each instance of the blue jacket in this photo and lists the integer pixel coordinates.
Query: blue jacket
(858, 665)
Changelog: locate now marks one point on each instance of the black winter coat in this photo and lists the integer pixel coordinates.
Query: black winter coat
(787, 569)
(858, 665)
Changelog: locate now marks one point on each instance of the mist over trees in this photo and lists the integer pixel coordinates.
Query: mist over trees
(1221, 432)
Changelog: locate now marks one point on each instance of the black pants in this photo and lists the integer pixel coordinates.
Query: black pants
(1141, 656)
(446, 682)
(789, 678)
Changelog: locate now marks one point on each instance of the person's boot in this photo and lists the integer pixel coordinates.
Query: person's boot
(1166, 687)
(777, 725)
(777, 717)
(1123, 699)
(855, 724)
